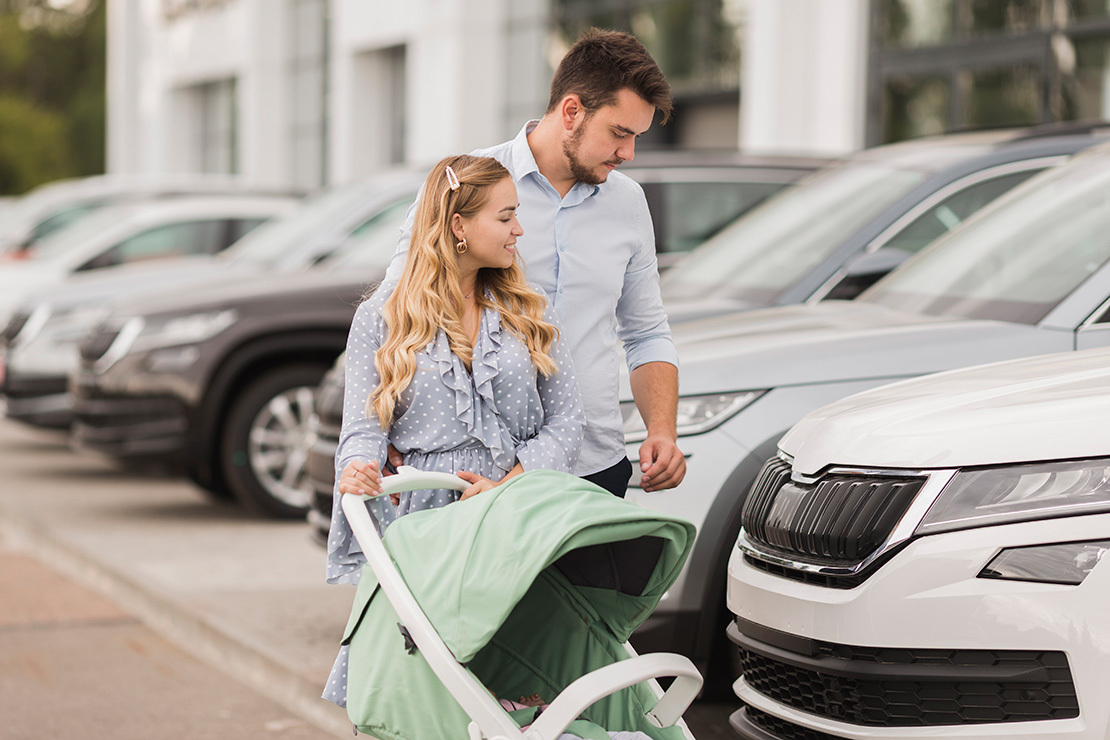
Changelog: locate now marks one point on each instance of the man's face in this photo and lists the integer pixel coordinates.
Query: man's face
(605, 137)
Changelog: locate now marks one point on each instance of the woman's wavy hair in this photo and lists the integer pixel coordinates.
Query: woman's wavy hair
(428, 297)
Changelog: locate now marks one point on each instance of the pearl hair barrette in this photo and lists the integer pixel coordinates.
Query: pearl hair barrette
(452, 178)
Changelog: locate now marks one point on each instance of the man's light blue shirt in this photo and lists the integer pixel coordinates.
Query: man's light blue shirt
(593, 253)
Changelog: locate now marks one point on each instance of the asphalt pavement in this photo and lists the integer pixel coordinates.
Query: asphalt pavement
(133, 605)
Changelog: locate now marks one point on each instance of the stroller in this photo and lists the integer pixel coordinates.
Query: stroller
(531, 588)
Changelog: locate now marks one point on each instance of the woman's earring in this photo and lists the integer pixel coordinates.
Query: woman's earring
(460, 248)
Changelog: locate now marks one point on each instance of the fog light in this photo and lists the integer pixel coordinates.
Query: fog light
(1067, 563)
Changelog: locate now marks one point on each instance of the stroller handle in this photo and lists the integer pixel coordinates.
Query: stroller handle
(409, 478)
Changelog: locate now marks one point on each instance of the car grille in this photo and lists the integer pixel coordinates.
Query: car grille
(15, 325)
(97, 343)
(839, 520)
(915, 688)
(781, 729)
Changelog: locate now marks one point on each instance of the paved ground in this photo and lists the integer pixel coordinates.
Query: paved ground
(133, 605)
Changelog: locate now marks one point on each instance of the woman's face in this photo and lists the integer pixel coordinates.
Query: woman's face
(491, 233)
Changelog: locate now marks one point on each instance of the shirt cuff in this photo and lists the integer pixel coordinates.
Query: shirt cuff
(657, 350)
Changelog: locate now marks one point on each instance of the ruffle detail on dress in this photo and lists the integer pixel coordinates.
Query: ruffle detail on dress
(474, 400)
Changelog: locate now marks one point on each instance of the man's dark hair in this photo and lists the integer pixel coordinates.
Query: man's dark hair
(601, 64)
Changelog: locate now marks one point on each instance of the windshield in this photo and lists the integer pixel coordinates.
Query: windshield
(285, 236)
(773, 246)
(1020, 258)
(372, 246)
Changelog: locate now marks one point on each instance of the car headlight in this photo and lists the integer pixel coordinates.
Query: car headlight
(70, 326)
(1066, 563)
(696, 414)
(1017, 493)
(189, 329)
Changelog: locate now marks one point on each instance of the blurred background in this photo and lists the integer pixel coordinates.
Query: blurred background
(304, 94)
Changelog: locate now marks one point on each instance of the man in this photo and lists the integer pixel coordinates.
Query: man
(588, 242)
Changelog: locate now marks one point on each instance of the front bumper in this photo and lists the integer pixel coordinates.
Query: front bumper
(924, 648)
(153, 427)
(38, 400)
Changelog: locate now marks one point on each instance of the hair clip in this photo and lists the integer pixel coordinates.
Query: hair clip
(452, 178)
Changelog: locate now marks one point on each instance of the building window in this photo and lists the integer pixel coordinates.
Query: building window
(943, 65)
(697, 44)
(309, 83)
(217, 134)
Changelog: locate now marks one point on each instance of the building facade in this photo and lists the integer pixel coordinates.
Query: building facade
(309, 93)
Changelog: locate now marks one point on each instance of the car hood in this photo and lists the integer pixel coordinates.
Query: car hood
(18, 279)
(840, 342)
(1050, 407)
(266, 292)
(685, 310)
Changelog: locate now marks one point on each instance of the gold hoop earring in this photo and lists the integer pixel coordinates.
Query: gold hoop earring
(460, 248)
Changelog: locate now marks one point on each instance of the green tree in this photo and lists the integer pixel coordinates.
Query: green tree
(52, 91)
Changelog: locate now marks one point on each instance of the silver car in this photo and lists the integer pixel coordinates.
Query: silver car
(1028, 275)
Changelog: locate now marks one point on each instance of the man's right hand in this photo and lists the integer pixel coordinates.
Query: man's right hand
(396, 460)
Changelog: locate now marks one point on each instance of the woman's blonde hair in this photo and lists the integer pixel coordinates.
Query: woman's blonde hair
(428, 296)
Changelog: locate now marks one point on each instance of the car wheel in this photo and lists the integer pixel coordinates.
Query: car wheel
(266, 439)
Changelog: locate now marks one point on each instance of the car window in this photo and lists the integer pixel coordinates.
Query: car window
(285, 237)
(61, 219)
(954, 210)
(373, 244)
(239, 227)
(770, 248)
(688, 213)
(1018, 261)
(169, 240)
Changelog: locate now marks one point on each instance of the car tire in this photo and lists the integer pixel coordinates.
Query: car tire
(265, 441)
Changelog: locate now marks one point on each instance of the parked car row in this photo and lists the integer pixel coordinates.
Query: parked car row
(207, 363)
(747, 377)
(893, 263)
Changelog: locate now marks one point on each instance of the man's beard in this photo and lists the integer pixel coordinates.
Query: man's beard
(581, 172)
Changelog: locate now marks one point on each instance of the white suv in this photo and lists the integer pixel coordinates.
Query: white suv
(923, 560)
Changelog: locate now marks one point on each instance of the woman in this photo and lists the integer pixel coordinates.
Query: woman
(459, 366)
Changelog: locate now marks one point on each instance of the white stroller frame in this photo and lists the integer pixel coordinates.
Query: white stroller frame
(489, 721)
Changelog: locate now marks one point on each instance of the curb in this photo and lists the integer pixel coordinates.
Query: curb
(178, 624)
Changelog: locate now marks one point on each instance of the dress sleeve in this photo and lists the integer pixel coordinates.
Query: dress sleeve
(360, 438)
(559, 440)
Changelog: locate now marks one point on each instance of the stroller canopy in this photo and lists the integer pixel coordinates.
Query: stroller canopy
(468, 564)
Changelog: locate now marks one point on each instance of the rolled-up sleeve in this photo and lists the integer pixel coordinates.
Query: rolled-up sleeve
(558, 442)
(641, 320)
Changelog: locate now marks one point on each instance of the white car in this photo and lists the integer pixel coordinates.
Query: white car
(139, 232)
(922, 560)
(28, 219)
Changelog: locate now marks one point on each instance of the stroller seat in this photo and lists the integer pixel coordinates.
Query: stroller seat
(532, 587)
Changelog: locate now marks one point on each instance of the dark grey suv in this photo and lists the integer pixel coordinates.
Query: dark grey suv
(220, 380)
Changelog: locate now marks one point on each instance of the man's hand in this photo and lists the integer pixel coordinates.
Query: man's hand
(663, 465)
(395, 459)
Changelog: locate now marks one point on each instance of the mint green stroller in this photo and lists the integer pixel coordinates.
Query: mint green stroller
(531, 588)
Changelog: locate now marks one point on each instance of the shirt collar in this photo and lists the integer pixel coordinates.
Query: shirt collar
(524, 163)
(520, 154)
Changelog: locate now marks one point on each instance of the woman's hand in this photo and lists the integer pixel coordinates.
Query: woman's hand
(361, 478)
(477, 483)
